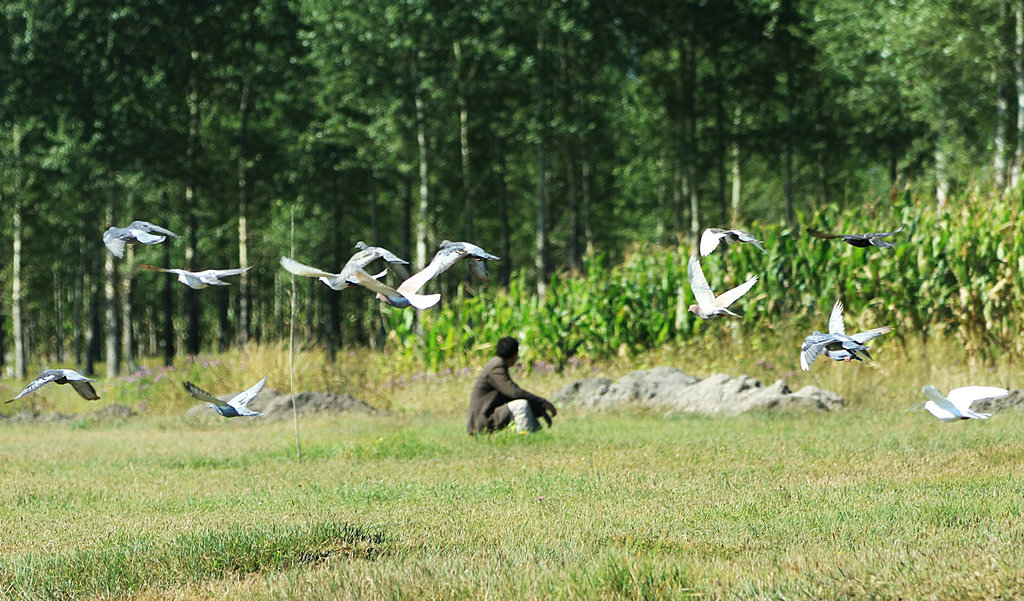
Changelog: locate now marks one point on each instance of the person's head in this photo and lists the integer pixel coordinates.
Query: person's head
(508, 349)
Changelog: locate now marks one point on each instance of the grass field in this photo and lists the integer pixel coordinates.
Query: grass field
(877, 501)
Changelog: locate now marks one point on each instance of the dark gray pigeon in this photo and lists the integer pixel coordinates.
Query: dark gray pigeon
(62, 376)
(859, 240)
(234, 407)
(836, 344)
(142, 232)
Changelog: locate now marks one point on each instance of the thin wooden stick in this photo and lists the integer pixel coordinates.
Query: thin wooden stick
(291, 343)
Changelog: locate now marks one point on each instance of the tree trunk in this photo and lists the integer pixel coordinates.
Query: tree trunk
(243, 223)
(588, 231)
(505, 242)
(736, 175)
(1018, 77)
(574, 208)
(17, 324)
(786, 11)
(460, 100)
(423, 206)
(941, 179)
(127, 321)
(168, 334)
(193, 315)
(110, 300)
(540, 247)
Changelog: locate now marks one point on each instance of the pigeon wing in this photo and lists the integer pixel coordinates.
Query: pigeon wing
(869, 335)
(45, 378)
(112, 238)
(84, 389)
(835, 319)
(202, 395)
(420, 301)
(940, 401)
(710, 240)
(730, 296)
(822, 235)
(748, 237)
(813, 346)
(293, 266)
(699, 285)
(145, 226)
(242, 399)
(964, 396)
(147, 238)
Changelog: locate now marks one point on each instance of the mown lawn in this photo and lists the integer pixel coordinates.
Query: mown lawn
(877, 501)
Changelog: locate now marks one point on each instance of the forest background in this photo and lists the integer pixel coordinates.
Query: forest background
(586, 142)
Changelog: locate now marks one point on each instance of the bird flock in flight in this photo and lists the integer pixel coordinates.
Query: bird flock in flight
(835, 344)
(352, 274)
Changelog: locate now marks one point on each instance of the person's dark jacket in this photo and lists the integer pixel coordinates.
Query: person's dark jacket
(492, 390)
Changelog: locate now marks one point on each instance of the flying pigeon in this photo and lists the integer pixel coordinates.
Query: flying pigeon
(393, 297)
(958, 404)
(199, 279)
(234, 407)
(143, 232)
(62, 376)
(358, 261)
(859, 240)
(714, 237)
(836, 344)
(447, 255)
(708, 305)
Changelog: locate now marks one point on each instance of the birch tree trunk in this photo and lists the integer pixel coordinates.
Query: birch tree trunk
(505, 243)
(17, 324)
(1018, 76)
(192, 307)
(540, 247)
(243, 223)
(460, 100)
(423, 206)
(734, 151)
(110, 300)
(127, 317)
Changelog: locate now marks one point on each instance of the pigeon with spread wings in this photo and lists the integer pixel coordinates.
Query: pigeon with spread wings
(234, 407)
(199, 279)
(62, 376)
(708, 305)
(447, 255)
(957, 404)
(346, 278)
(714, 237)
(142, 232)
(836, 344)
(859, 240)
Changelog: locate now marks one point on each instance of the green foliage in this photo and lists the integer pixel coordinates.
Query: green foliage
(955, 273)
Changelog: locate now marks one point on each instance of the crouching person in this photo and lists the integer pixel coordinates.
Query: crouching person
(497, 401)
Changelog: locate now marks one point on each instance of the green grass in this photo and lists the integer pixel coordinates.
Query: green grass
(876, 501)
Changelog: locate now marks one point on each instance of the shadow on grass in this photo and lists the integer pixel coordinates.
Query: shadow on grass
(135, 563)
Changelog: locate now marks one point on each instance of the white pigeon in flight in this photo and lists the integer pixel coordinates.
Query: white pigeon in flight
(236, 406)
(957, 405)
(449, 253)
(708, 305)
(143, 232)
(62, 376)
(714, 237)
(199, 279)
(393, 297)
(345, 278)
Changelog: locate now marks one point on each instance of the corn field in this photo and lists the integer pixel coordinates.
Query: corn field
(957, 272)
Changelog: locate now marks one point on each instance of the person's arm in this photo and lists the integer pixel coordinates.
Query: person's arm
(541, 407)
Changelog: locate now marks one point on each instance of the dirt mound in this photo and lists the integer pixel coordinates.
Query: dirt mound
(667, 388)
(273, 404)
(114, 411)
